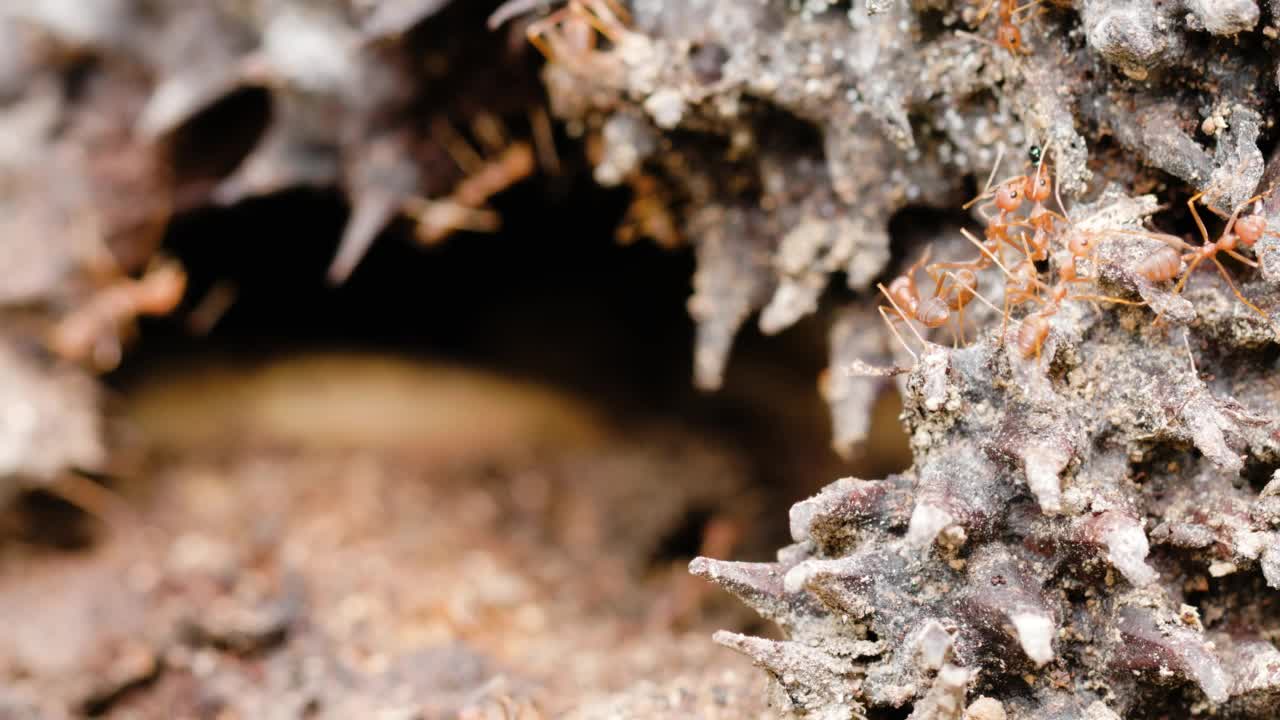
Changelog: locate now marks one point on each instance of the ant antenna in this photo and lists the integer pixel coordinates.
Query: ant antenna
(903, 315)
(1044, 153)
(990, 178)
(969, 236)
(971, 288)
(889, 322)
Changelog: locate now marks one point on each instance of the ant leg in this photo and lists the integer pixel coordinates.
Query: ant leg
(924, 258)
(600, 16)
(1191, 203)
(1028, 6)
(1058, 196)
(995, 168)
(982, 14)
(937, 279)
(889, 321)
(98, 501)
(983, 211)
(1172, 241)
(460, 151)
(490, 131)
(544, 140)
(1247, 261)
(934, 267)
(901, 314)
(1230, 283)
(620, 13)
(539, 30)
(981, 248)
(1235, 214)
(971, 288)
(1187, 275)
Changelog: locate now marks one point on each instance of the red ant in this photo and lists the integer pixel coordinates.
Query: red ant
(1025, 285)
(1008, 36)
(952, 292)
(1008, 197)
(93, 331)
(1239, 230)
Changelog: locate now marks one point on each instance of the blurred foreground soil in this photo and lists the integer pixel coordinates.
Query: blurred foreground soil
(359, 537)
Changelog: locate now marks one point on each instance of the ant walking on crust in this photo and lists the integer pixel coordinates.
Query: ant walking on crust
(1240, 231)
(952, 292)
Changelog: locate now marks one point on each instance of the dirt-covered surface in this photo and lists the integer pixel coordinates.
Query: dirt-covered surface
(357, 537)
(338, 535)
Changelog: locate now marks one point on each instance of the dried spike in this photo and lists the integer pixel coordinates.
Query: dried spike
(1255, 676)
(1043, 463)
(833, 516)
(945, 699)
(758, 585)
(846, 585)
(810, 678)
(1271, 564)
(1000, 590)
(282, 160)
(389, 19)
(371, 214)
(1206, 424)
(1157, 650)
(927, 521)
(1125, 543)
(957, 499)
(1035, 634)
(732, 280)
(985, 708)
(855, 336)
(933, 646)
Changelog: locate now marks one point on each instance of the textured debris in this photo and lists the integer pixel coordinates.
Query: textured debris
(49, 422)
(1055, 511)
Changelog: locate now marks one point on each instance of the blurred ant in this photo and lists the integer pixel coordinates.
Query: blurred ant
(1008, 35)
(570, 32)
(93, 332)
(503, 164)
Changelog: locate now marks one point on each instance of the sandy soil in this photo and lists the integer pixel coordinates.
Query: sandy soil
(340, 537)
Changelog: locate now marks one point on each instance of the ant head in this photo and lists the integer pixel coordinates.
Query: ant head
(1250, 228)
(1009, 197)
(1038, 187)
(1034, 153)
(1009, 38)
(1081, 244)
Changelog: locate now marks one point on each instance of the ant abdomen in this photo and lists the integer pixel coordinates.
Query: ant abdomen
(1250, 228)
(933, 313)
(1032, 334)
(1161, 265)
